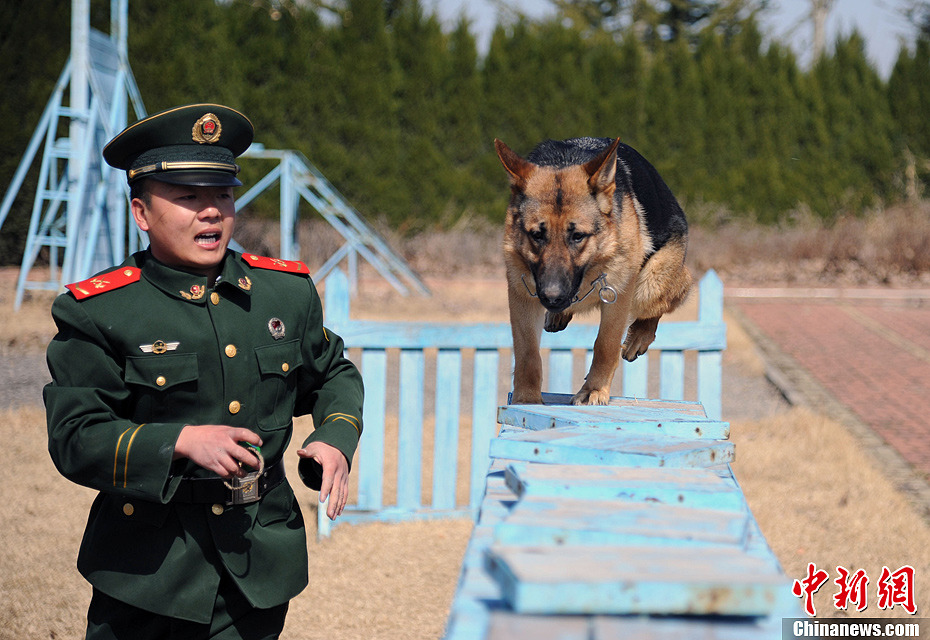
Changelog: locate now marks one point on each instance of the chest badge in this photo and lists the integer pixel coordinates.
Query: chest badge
(159, 346)
(276, 328)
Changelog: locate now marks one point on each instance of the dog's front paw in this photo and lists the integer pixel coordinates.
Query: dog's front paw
(639, 336)
(518, 397)
(591, 396)
(557, 321)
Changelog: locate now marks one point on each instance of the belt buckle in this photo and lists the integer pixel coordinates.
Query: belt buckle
(245, 490)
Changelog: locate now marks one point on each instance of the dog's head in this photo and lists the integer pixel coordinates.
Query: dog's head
(558, 219)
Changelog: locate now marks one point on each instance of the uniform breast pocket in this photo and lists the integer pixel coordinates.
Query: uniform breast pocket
(275, 394)
(155, 378)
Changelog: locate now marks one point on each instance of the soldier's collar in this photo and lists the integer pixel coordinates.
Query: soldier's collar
(190, 286)
(234, 274)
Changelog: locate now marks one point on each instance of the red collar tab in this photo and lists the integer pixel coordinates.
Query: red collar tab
(276, 264)
(105, 282)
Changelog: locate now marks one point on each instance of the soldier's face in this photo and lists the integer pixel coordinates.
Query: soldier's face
(188, 227)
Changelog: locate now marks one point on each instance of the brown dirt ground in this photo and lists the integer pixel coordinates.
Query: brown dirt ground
(816, 495)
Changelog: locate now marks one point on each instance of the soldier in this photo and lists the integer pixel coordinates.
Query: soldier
(175, 378)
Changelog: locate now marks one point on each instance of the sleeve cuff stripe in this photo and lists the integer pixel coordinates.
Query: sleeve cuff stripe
(126, 456)
(116, 454)
(343, 416)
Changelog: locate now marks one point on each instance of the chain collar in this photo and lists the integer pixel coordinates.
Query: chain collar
(606, 293)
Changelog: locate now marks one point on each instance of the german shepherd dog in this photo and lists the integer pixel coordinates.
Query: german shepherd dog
(590, 224)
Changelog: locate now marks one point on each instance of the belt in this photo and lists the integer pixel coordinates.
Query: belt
(214, 490)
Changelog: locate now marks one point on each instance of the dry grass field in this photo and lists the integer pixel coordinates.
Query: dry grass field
(816, 495)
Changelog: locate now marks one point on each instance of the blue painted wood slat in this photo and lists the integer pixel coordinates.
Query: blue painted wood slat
(446, 445)
(483, 423)
(581, 445)
(702, 488)
(370, 466)
(672, 375)
(567, 522)
(620, 580)
(560, 370)
(410, 435)
(641, 420)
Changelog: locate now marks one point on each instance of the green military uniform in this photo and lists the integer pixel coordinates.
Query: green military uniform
(145, 349)
(250, 352)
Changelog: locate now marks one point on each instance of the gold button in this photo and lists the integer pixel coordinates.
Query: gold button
(234, 406)
(127, 272)
(231, 350)
(217, 509)
(215, 298)
(128, 509)
(285, 367)
(160, 381)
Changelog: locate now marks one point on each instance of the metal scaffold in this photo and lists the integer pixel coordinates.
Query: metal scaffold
(80, 214)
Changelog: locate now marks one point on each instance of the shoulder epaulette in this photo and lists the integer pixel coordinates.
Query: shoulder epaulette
(105, 282)
(276, 264)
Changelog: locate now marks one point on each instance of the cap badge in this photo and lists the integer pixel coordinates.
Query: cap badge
(207, 129)
(197, 291)
(159, 346)
(245, 284)
(276, 327)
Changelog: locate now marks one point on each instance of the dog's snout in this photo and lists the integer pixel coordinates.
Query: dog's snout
(555, 294)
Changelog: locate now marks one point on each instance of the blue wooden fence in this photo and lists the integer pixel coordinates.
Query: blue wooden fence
(395, 358)
(612, 522)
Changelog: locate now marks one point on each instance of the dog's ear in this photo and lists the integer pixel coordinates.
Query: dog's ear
(603, 171)
(518, 168)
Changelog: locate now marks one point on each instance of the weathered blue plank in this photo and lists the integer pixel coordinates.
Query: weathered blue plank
(718, 628)
(672, 336)
(643, 420)
(637, 580)
(636, 377)
(680, 406)
(581, 445)
(484, 408)
(560, 370)
(710, 391)
(571, 522)
(446, 444)
(506, 625)
(371, 448)
(699, 488)
(410, 438)
(672, 375)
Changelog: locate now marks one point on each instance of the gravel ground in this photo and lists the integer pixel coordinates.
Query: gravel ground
(22, 376)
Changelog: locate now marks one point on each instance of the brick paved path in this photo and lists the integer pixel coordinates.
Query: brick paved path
(873, 358)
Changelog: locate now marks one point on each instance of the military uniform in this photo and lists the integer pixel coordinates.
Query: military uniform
(144, 350)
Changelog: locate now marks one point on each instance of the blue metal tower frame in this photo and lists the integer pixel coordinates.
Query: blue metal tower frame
(80, 209)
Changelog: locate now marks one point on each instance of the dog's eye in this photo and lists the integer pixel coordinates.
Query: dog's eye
(537, 235)
(578, 236)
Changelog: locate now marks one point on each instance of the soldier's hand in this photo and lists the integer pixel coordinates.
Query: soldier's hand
(335, 483)
(216, 447)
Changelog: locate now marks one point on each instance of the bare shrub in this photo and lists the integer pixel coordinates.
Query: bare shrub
(890, 247)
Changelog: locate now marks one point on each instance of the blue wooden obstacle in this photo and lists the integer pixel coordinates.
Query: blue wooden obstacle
(576, 540)
(472, 355)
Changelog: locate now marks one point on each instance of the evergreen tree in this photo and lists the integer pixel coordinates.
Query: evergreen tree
(909, 96)
(422, 54)
(365, 159)
(463, 140)
(860, 127)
